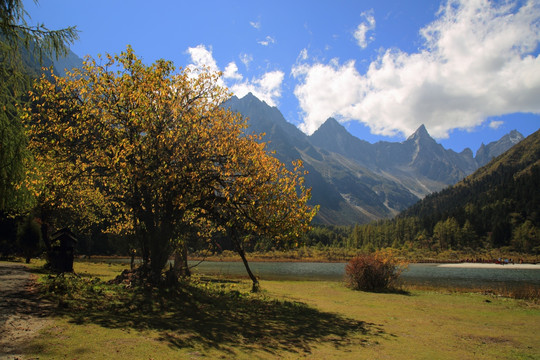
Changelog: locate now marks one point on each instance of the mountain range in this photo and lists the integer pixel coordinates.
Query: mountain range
(355, 181)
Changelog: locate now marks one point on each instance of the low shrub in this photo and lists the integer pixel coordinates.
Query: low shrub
(373, 272)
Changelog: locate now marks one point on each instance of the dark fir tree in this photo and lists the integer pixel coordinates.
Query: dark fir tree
(24, 48)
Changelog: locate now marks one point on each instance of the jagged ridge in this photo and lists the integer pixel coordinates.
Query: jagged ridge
(353, 180)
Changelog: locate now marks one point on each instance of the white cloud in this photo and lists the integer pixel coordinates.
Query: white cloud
(266, 87)
(495, 124)
(246, 59)
(231, 72)
(360, 34)
(267, 41)
(326, 90)
(478, 61)
(202, 61)
(255, 24)
(202, 58)
(303, 56)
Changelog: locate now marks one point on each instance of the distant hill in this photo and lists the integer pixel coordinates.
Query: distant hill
(353, 180)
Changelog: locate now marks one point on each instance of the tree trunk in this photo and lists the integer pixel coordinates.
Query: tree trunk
(181, 267)
(45, 236)
(255, 287)
(185, 265)
(132, 263)
(145, 251)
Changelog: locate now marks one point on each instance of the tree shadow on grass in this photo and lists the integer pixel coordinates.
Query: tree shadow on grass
(392, 290)
(217, 317)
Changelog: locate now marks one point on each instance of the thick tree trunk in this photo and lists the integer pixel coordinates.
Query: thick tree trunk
(181, 267)
(145, 251)
(45, 236)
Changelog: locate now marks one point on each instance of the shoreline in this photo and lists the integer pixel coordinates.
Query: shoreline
(439, 263)
(466, 265)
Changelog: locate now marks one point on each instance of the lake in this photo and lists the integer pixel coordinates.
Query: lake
(488, 276)
(447, 275)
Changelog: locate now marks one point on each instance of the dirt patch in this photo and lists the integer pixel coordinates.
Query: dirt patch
(22, 313)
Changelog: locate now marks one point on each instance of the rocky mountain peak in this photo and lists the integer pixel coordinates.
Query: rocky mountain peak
(330, 127)
(249, 97)
(514, 137)
(496, 148)
(421, 134)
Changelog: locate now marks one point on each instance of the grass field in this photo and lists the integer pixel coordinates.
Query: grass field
(219, 318)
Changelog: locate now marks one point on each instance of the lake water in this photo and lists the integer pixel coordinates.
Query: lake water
(445, 275)
(417, 274)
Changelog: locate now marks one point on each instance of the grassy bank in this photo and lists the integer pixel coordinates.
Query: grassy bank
(219, 318)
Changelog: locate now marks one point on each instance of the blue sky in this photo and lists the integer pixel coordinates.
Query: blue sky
(469, 70)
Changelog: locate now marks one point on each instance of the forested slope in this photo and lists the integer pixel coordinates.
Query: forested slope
(497, 206)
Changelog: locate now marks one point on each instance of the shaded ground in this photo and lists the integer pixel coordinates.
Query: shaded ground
(210, 315)
(22, 314)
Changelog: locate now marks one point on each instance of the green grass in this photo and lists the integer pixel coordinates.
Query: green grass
(104, 271)
(427, 325)
(219, 318)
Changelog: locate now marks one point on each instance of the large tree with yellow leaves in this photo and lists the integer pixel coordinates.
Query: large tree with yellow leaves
(152, 147)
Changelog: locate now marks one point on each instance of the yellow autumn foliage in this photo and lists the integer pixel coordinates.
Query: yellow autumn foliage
(153, 147)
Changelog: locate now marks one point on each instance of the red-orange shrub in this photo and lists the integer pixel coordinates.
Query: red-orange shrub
(373, 272)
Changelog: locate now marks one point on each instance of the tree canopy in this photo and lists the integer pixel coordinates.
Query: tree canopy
(153, 147)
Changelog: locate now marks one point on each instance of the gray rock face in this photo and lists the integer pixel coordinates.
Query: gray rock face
(487, 152)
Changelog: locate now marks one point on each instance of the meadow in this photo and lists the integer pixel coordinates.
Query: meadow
(215, 317)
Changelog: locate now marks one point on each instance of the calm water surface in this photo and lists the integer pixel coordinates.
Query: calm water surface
(418, 274)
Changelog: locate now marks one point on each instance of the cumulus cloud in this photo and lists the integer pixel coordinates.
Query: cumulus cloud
(326, 90)
(478, 61)
(231, 72)
(360, 34)
(266, 87)
(202, 58)
(267, 41)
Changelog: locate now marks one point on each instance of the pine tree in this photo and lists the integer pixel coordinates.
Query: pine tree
(17, 37)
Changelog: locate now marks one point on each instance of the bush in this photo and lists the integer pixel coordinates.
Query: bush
(373, 272)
